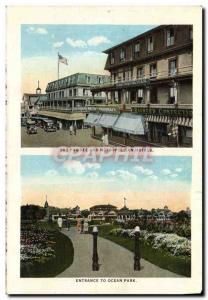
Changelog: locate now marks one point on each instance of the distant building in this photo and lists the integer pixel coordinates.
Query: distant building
(68, 98)
(103, 212)
(124, 214)
(32, 102)
(47, 209)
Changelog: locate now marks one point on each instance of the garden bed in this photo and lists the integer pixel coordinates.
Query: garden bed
(45, 251)
(160, 256)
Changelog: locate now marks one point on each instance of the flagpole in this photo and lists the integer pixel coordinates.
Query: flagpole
(58, 66)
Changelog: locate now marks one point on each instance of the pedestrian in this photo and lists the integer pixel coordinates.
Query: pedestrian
(75, 129)
(68, 224)
(105, 140)
(78, 225)
(60, 222)
(71, 129)
(85, 226)
(82, 226)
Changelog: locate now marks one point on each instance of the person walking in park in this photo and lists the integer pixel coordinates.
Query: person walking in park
(86, 226)
(60, 222)
(68, 224)
(82, 226)
(78, 225)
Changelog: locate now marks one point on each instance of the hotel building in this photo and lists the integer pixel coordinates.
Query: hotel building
(68, 97)
(149, 96)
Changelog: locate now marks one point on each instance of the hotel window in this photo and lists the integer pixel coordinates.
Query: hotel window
(172, 67)
(172, 95)
(191, 33)
(153, 71)
(170, 37)
(112, 59)
(122, 54)
(149, 44)
(140, 95)
(136, 49)
(75, 92)
(140, 73)
(88, 79)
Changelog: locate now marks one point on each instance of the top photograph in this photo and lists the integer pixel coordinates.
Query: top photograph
(106, 85)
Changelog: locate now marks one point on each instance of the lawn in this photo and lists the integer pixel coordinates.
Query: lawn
(163, 259)
(50, 267)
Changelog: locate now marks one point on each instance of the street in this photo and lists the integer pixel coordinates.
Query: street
(59, 138)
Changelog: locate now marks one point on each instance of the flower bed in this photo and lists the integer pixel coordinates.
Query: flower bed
(35, 243)
(174, 244)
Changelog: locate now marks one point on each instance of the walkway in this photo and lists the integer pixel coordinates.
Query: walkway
(114, 260)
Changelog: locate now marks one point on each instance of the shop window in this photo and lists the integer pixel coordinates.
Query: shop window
(153, 70)
(150, 44)
(172, 67)
(170, 37)
(122, 54)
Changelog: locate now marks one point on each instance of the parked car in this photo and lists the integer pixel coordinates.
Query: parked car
(49, 126)
(31, 127)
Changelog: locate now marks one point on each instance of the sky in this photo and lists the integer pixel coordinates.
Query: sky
(162, 181)
(82, 45)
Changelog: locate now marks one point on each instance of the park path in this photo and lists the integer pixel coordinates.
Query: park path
(114, 260)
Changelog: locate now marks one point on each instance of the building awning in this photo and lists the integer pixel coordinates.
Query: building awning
(107, 120)
(92, 119)
(130, 123)
(63, 116)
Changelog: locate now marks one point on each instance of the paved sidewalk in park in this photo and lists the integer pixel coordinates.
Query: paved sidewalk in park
(114, 260)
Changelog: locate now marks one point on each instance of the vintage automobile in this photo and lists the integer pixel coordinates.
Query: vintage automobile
(31, 127)
(49, 125)
(23, 121)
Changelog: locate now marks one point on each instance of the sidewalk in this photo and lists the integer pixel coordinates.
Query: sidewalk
(114, 260)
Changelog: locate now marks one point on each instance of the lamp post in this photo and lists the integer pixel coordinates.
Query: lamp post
(95, 266)
(137, 256)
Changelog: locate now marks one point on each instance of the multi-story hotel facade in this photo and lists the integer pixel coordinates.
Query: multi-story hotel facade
(151, 87)
(68, 97)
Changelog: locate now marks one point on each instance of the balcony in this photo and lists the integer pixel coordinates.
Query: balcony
(145, 80)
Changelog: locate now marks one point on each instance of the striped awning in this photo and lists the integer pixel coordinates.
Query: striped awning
(130, 123)
(92, 119)
(107, 120)
(181, 121)
(63, 116)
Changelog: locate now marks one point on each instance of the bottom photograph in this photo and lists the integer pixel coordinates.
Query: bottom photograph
(105, 218)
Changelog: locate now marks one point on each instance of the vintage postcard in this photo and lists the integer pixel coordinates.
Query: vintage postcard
(104, 146)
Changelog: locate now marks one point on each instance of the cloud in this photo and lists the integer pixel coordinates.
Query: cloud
(178, 170)
(74, 166)
(76, 43)
(94, 41)
(173, 175)
(93, 175)
(144, 171)
(154, 177)
(39, 30)
(93, 166)
(58, 44)
(166, 172)
(122, 174)
(97, 40)
(51, 173)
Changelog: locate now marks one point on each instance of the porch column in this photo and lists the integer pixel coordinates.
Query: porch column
(176, 92)
(147, 95)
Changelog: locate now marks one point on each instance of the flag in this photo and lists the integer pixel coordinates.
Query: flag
(62, 59)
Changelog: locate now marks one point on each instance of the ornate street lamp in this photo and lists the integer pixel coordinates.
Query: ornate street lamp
(137, 255)
(95, 266)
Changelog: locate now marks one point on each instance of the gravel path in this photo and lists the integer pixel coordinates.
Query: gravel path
(114, 260)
